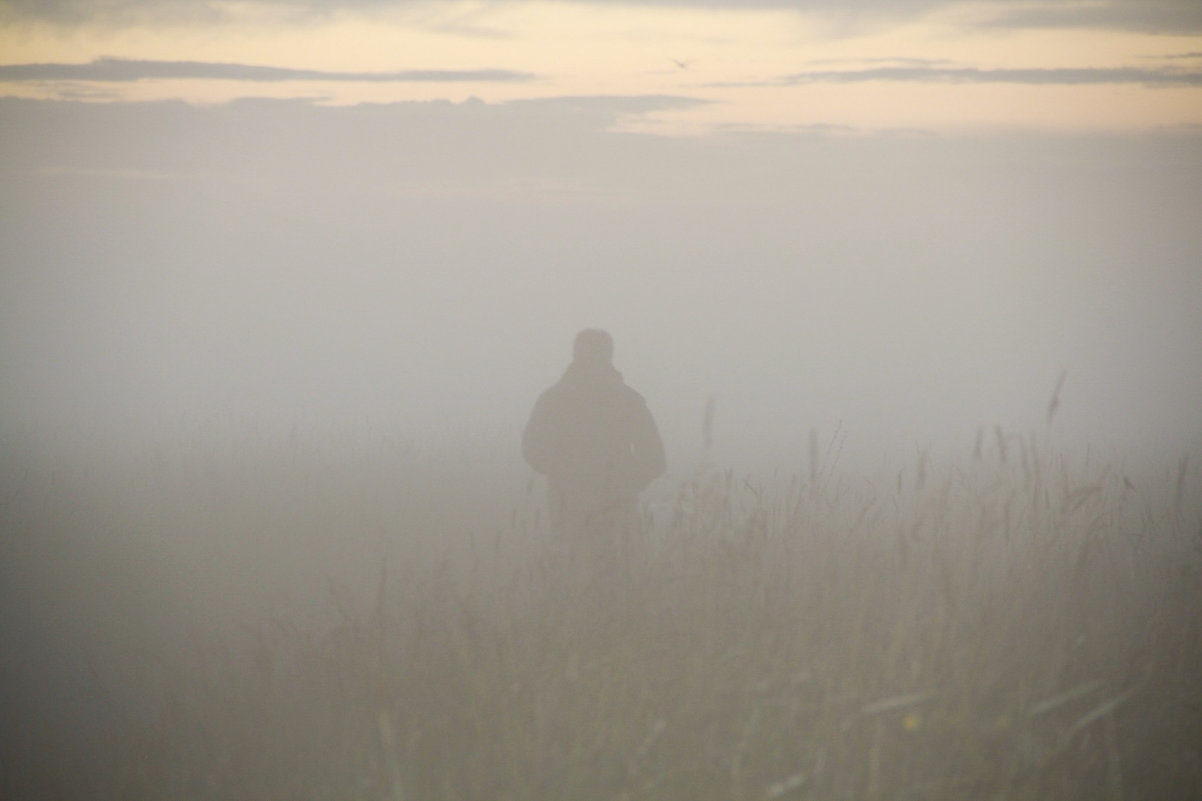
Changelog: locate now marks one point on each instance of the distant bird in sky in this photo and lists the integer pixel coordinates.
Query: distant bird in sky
(684, 65)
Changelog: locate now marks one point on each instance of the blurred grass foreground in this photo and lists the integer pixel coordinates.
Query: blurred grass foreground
(264, 620)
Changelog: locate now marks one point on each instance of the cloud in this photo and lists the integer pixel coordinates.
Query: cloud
(1145, 16)
(409, 140)
(123, 70)
(609, 105)
(1157, 16)
(894, 61)
(1044, 76)
(75, 11)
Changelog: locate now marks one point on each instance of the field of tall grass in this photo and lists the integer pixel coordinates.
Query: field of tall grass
(273, 620)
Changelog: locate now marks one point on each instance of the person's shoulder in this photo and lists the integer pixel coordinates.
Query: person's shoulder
(549, 395)
(633, 396)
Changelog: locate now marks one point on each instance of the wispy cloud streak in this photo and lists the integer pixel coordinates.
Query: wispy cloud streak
(1145, 16)
(1045, 76)
(1156, 16)
(127, 70)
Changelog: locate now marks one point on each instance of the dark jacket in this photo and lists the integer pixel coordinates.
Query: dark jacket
(593, 437)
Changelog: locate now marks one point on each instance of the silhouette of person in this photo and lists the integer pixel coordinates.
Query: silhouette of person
(597, 443)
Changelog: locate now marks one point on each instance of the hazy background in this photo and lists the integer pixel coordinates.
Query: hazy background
(418, 269)
(280, 282)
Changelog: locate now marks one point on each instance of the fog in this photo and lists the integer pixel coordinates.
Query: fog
(419, 269)
(266, 367)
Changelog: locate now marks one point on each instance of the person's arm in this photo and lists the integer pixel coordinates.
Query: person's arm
(649, 458)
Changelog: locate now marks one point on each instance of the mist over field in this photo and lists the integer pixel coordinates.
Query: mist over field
(268, 532)
(420, 269)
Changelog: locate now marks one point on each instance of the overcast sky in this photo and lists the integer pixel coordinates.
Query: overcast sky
(873, 64)
(900, 220)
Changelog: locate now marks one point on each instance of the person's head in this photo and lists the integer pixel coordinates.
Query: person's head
(593, 347)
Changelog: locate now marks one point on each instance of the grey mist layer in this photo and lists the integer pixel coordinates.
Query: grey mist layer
(420, 268)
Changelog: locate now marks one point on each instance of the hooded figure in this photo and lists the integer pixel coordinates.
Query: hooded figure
(595, 440)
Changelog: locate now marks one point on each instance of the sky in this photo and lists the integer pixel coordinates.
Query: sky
(891, 223)
(926, 64)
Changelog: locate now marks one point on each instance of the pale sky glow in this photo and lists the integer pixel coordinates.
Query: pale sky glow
(737, 60)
